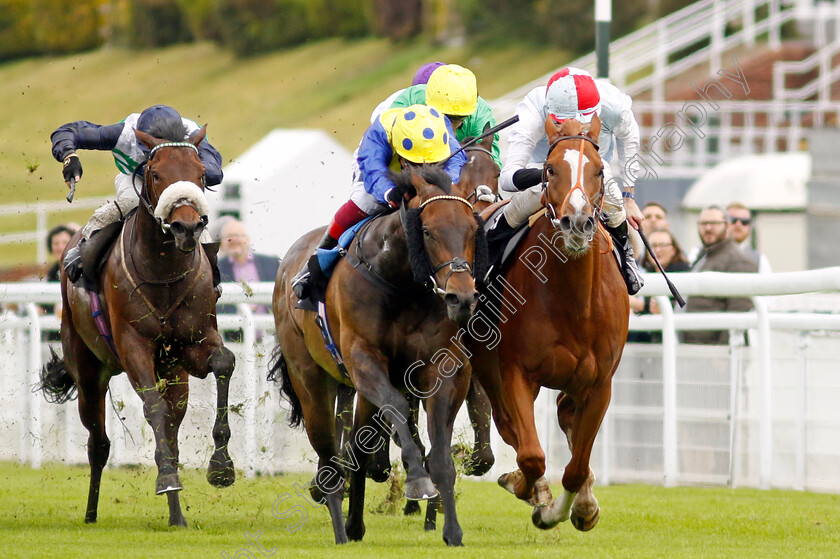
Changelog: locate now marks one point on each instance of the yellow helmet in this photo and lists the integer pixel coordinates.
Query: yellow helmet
(452, 89)
(418, 133)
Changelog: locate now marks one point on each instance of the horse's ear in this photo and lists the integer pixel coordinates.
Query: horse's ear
(147, 139)
(198, 135)
(423, 188)
(594, 128)
(552, 129)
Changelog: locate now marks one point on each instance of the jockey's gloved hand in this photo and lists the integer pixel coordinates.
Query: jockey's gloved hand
(72, 168)
(526, 178)
(395, 196)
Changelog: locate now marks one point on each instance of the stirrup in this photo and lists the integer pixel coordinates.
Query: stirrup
(301, 283)
(73, 264)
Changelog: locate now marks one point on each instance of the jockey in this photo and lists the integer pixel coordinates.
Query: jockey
(425, 71)
(573, 93)
(129, 153)
(397, 139)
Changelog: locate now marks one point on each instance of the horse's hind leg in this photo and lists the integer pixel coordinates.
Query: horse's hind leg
(220, 471)
(92, 391)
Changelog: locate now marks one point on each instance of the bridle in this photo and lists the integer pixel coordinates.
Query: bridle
(551, 212)
(474, 194)
(457, 264)
(145, 196)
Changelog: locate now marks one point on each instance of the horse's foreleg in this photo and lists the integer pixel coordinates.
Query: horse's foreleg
(176, 396)
(220, 471)
(528, 482)
(441, 409)
(478, 405)
(139, 364)
(370, 376)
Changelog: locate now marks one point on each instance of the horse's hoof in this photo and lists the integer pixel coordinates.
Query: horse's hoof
(355, 533)
(430, 525)
(478, 465)
(585, 524)
(539, 520)
(512, 481)
(90, 519)
(179, 522)
(542, 493)
(420, 489)
(316, 493)
(411, 507)
(455, 540)
(220, 472)
(378, 475)
(167, 483)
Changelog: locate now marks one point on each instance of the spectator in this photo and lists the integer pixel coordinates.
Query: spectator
(671, 257)
(239, 263)
(719, 253)
(57, 239)
(740, 228)
(656, 217)
(215, 229)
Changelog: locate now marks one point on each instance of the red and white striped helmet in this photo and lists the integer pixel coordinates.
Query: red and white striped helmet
(572, 93)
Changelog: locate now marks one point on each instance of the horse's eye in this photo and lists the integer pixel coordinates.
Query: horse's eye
(155, 176)
(601, 173)
(549, 170)
(427, 233)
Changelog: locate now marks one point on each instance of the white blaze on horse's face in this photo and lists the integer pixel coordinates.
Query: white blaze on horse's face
(573, 158)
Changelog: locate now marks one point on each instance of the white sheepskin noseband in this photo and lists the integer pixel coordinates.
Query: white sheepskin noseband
(179, 194)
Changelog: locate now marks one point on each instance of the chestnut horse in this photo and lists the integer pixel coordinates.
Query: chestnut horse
(157, 298)
(394, 305)
(568, 335)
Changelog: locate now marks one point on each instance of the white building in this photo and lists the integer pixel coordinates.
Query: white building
(288, 183)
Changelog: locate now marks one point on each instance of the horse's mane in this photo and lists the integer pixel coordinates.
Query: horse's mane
(432, 174)
(168, 129)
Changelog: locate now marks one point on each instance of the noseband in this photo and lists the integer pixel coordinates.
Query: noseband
(551, 213)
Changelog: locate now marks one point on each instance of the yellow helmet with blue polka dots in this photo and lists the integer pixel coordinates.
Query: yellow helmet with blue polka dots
(418, 133)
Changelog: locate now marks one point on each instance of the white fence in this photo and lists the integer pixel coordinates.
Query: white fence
(763, 415)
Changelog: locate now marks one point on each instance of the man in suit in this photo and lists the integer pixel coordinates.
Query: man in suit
(240, 264)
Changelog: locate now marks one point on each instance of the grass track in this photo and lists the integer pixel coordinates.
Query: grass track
(41, 516)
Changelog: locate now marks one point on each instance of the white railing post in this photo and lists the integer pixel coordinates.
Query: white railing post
(803, 339)
(249, 338)
(718, 29)
(32, 424)
(749, 23)
(766, 391)
(669, 391)
(775, 29)
(606, 446)
(735, 343)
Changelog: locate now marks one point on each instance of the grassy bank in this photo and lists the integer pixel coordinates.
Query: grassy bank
(332, 85)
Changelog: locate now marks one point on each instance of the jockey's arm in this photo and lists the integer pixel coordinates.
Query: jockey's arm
(375, 156)
(474, 126)
(522, 140)
(68, 138)
(626, 136)
(212, 160)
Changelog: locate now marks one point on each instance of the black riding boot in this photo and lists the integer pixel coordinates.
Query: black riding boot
(302, 282)
(73, 262)
(629, 268)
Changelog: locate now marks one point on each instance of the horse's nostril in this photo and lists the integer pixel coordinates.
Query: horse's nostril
(451, 300)
(565, 223)
(589, 226)
(177, 228)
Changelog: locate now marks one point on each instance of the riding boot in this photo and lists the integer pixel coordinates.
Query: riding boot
(302, 282)
(73, 262)
(629, 268)
(212, 252)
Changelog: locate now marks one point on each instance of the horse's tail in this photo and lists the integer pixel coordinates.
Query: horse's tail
(56, 383)
(278, 364)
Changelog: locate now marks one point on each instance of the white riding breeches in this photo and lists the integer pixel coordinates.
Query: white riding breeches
(526, 203)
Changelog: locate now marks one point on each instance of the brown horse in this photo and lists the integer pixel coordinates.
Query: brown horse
(157, 297)
(394, 304)
(568, 334)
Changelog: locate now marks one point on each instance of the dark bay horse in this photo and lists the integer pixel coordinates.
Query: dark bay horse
(393, 332)
(567, 335)
(157, 298)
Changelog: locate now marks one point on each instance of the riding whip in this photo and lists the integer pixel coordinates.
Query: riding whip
(72, 190)
(488, 132)
(671, 286)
